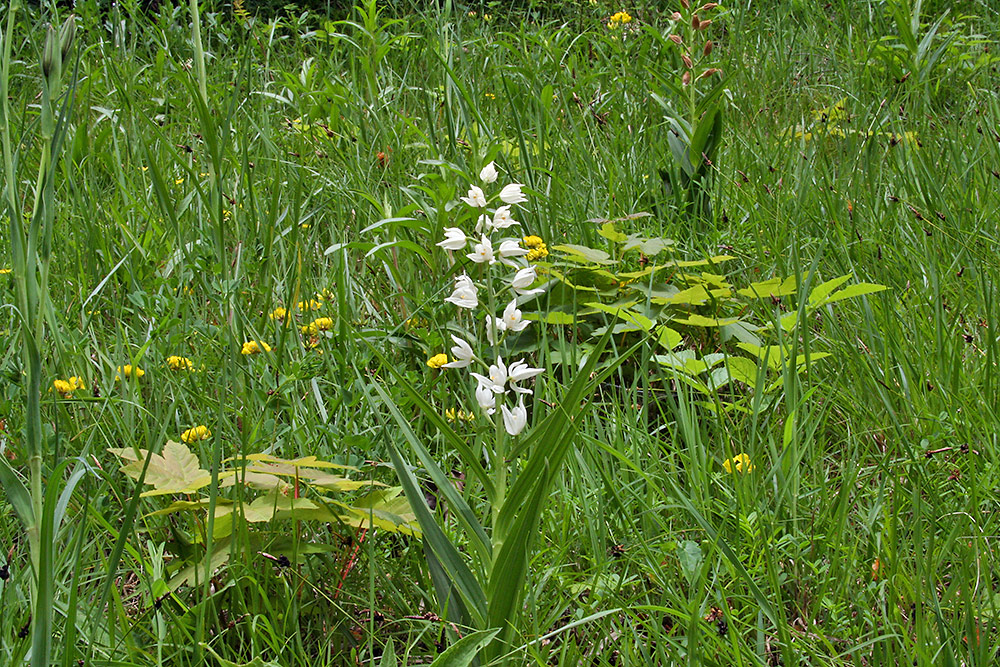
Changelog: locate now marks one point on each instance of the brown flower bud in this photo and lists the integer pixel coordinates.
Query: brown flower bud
(685, 4)
(709, 72)
(708, 47)
(687, 60)
(676, 16)
(694, 21)
(703, 25)
(708, 5)
(676, 39)
(686, 77)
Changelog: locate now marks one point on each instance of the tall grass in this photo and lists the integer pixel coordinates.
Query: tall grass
(155, 208)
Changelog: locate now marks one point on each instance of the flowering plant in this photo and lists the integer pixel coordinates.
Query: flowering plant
(480, 575)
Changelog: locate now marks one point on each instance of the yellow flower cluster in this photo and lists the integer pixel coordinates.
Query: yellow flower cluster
(129, 371)
(311, 304)
(4, 271)
(195, 434)
(739, 463)
(317, 325)
(618, 20)
(438, 360)
(255, 347)
(451, 414)
(538, 249)
(278, 313)
(416, 323)
(67, 387)
(176, 363)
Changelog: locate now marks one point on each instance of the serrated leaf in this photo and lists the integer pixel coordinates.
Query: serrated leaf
(176, 470)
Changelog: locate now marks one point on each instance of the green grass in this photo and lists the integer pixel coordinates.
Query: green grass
(326, 161)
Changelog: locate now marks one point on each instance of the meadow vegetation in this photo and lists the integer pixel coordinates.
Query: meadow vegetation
(726, 277)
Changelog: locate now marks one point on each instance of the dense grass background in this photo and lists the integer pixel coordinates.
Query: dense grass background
(866, 535)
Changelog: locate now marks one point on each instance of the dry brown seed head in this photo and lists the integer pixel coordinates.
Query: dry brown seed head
(694, 21)
(687, 60)
(686, 77)
(685, 4)
(708, 5)
(676, 16)
(708, 47)
(709, 72)
(676, 39)
(703, 25)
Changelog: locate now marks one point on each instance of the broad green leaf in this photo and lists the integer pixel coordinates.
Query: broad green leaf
(176, 470)
(291, 464)
(742, 331)
(822, 291)
(690, 555)
(609, 232)
(270, 505)
(622, 312)
(388, 655)
(463, 652)
(647, 246)
(583, 252)
(851, 291)
(742, 370)
(667, 337)
(775, 287)
(692, 296)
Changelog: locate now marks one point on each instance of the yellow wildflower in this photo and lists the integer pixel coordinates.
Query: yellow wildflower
(67, 387)
(451, 414)
(195, 434)
(278, 313)
(533, 241)
(618, 19)
(438, 360)
(255, 347)
(739, 463)
(317, 325)
(179, 363)
(311, 304)
(537, 253)
(178, 181)
(4, 271)
(128, 371)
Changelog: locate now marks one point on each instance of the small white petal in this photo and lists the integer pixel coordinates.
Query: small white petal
(514, 420)
(462, 352)
(511, 194)
(483, 252)
(502, 219)
(488, 174)
(454, 239)
(475, 198)
(512, 317)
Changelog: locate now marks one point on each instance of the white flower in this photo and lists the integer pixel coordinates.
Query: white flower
(520, 371)
(512, 319)
(484, 223)
(483, 252)
(465, 294)
(498, 375)
(462, 352)
(514, 420)
(494, 327)
(476, 197)
(523, 279)
(502, 219)
(454, 239)
(486, 399)
(511, 248)
(511, 194)
(488, 174)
